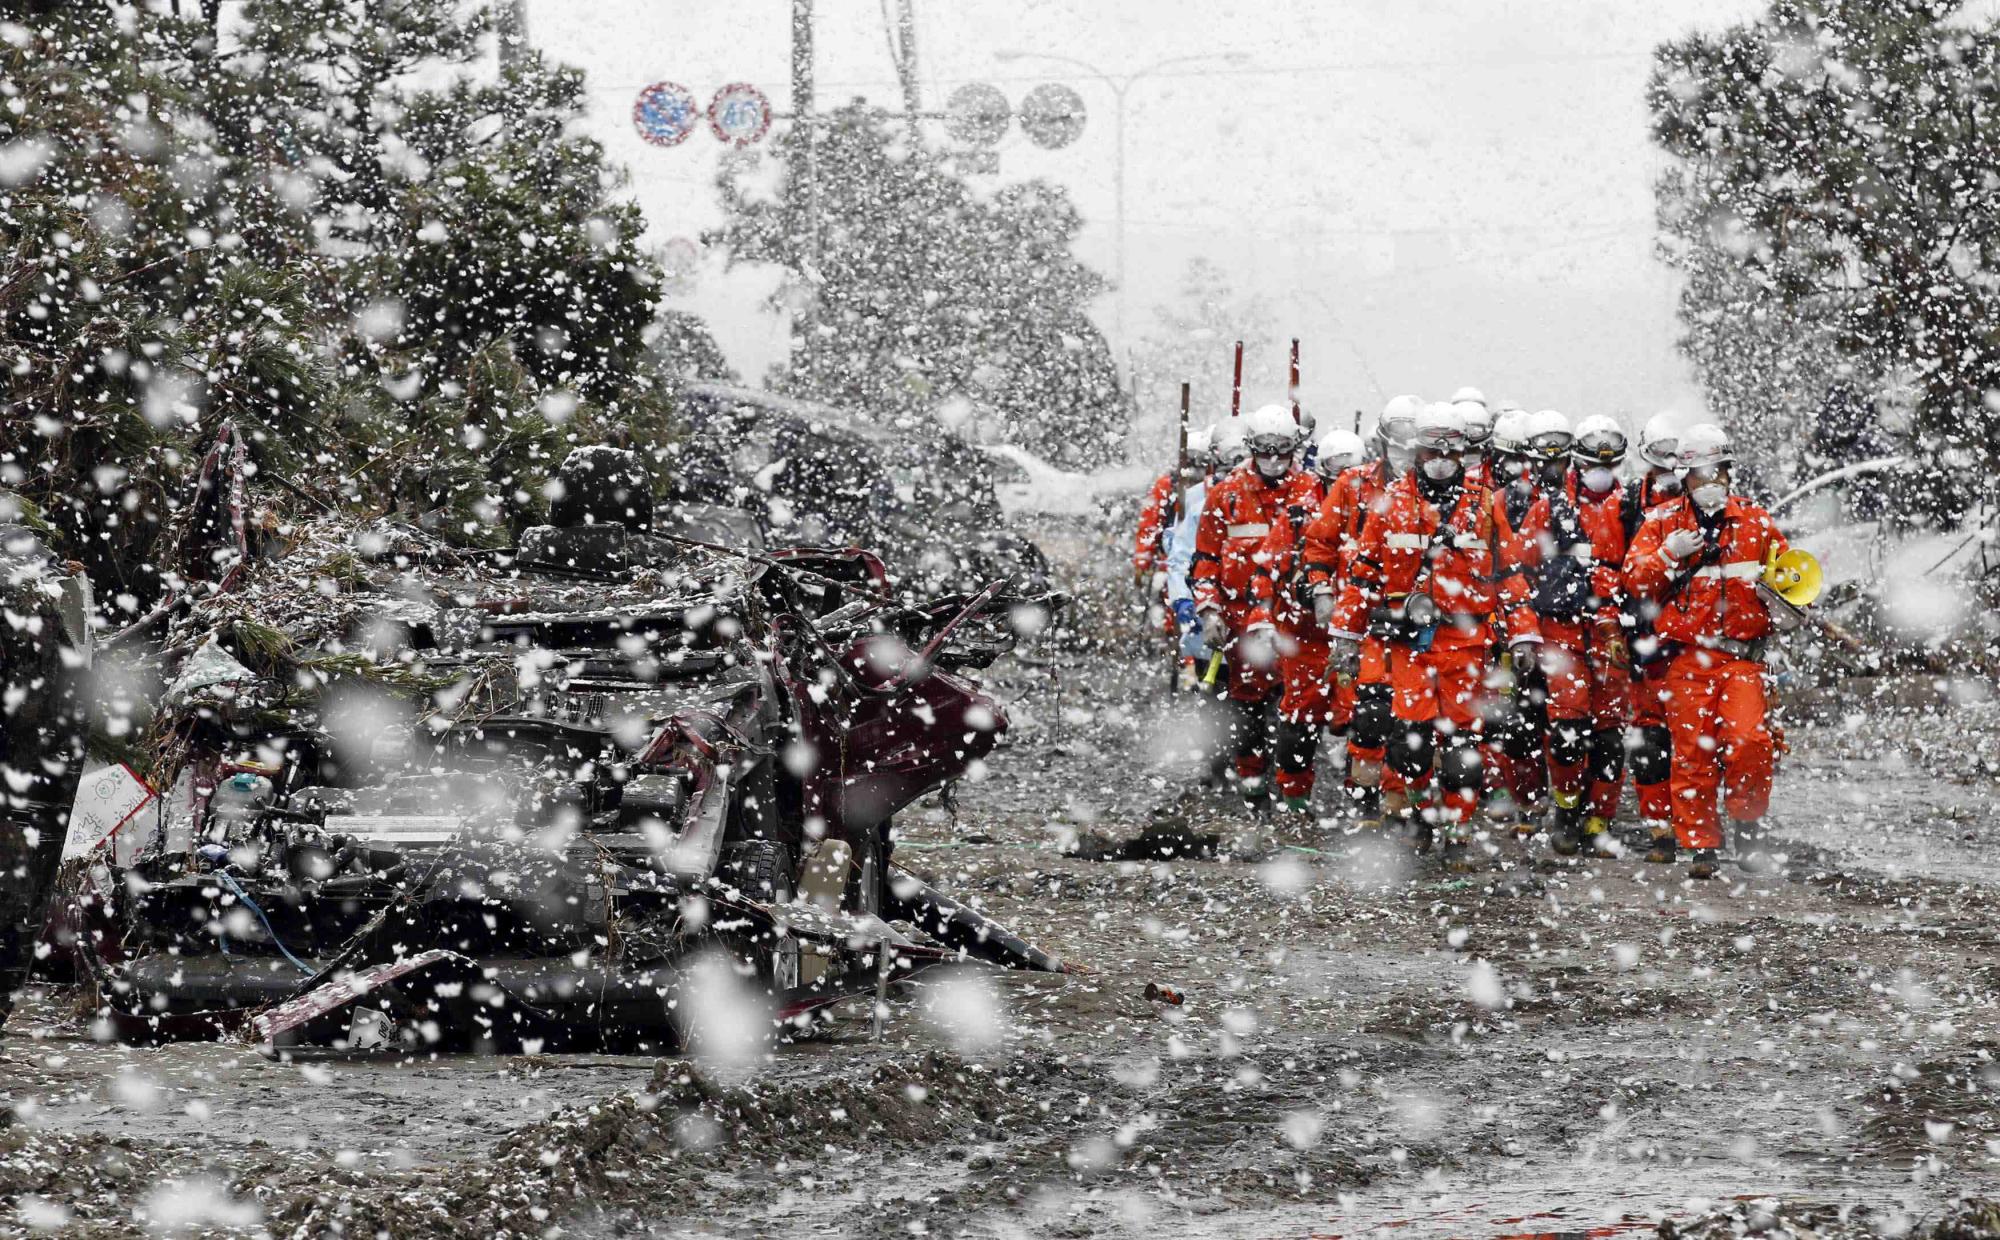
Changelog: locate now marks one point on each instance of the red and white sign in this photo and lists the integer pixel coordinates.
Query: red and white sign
(665, 114)
(106, 799)
(739, 114)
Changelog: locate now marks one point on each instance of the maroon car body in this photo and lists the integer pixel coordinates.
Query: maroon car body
(578, 767)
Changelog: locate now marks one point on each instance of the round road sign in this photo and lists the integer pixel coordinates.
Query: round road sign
(739, 114)
(1052, 115)
(977, 114)
(665, 114)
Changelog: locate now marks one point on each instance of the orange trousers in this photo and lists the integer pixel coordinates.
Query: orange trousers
(1446, 689)
(1439, 684)
(1715, 708)
(1588, 699)
(1311, 696)
(1250, 679)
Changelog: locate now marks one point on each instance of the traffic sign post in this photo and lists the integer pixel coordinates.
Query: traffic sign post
(1052, 116)
(977, 114)
(739, 114)
(665, 114)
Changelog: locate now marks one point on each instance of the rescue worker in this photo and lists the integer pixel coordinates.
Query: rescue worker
(1424, 576)
(1593, 490)
(1156, 515)
(1237, 514)
(1309, 703)
(1478, 423)
(44, 658)
(1543, 543)
(1698, 557)
(1226, 450)
(1649, 741)
(1508, 450)
(1327, 554)
(1513, 793)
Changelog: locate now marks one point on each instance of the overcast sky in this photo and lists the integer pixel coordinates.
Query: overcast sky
(1428, 192)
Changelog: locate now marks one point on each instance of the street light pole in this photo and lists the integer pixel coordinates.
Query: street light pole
(1118, 86)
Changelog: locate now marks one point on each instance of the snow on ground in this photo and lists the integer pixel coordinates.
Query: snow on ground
(1367, 1048)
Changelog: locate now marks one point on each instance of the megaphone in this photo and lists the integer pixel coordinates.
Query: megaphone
(1795, 576)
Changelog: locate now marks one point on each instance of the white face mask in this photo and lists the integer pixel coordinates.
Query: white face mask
(1710, 496)
(1441, 468)
(1599, 479)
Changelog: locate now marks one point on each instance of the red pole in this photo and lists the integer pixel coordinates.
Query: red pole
(1294, 388)
(1236, 385)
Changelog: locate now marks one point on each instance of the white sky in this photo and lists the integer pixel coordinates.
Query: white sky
(1428, 192)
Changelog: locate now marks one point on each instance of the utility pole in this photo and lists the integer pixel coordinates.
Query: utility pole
(512, 20)
(808, 124)
(906, 64)
(807, 164)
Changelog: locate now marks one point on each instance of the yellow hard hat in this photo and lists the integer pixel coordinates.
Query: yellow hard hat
(1795, 575)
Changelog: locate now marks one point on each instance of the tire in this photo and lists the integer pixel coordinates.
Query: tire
(867, 891)
(762, 871)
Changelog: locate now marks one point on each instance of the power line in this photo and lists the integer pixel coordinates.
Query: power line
(1358, 66)
(1631, 226)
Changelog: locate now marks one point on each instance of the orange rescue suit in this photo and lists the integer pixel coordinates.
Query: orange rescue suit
(1714, 622)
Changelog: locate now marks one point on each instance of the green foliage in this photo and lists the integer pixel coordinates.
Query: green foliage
(923, 292)
(1838, 166)
(406, 280)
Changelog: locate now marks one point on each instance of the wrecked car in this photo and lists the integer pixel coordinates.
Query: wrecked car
(814, 473)
(475, 800)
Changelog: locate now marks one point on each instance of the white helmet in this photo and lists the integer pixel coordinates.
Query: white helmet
(1396, 431)
(1471, 394)
(1306, 424)
(1228, 441)
(1510, 432)
(1339, 449)
(1398, 416)
(1439, 427)
(1476, 421)
(1548, 435)
(1270, 430)
(1706, 446)
(1199, 445)
(1660, 441)
(1599, 441)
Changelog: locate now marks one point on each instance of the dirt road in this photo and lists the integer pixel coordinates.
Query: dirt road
(1367, 1047)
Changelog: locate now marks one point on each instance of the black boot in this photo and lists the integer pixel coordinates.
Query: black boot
(1752, 847)
(1665, 849)
(1566, 832)
(1364, 805)
(1705, 864)
(1456, 855)
(1598, 840)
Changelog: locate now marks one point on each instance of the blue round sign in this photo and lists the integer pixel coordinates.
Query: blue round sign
(739, 114)
(665, 114)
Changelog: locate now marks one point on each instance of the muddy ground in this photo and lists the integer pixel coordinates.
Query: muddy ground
(1367, 1048)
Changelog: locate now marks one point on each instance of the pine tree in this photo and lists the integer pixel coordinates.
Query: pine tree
(1846, 150)
(409, 281)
